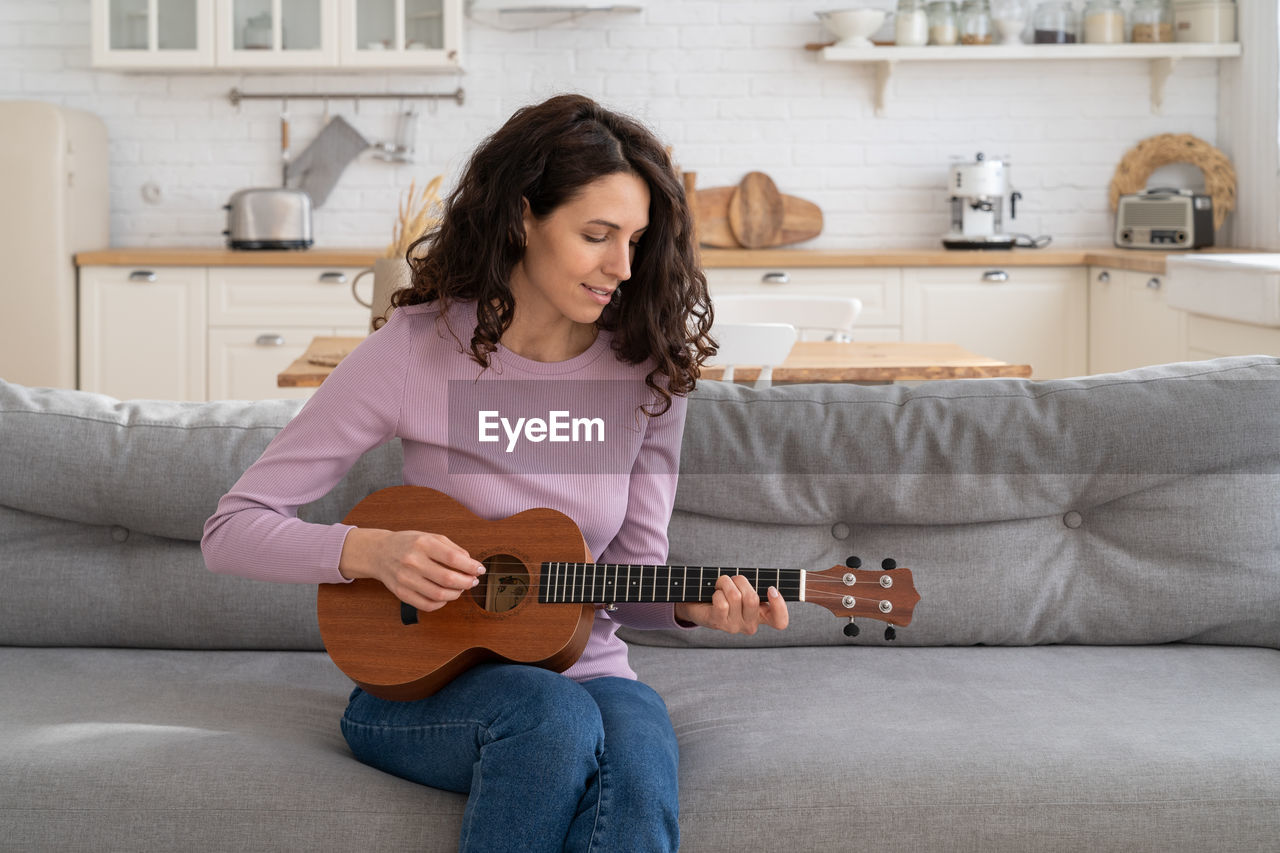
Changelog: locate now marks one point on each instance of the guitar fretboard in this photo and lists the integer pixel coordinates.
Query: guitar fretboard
(607, 583)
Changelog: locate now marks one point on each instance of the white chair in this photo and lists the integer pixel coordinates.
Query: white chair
(765, 344)
(815, 317)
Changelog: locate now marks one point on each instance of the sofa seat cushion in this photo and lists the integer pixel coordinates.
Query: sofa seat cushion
(1048, 748)
(114, 749)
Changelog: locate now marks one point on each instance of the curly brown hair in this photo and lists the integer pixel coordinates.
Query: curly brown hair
(547, 153)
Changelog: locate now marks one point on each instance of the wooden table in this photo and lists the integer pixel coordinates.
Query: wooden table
(810, 361)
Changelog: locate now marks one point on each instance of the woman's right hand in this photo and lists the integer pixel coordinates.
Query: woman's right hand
(424, 570)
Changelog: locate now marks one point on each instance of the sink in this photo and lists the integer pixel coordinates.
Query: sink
(1240, 287)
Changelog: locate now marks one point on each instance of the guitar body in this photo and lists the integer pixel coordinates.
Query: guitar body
(396, 652)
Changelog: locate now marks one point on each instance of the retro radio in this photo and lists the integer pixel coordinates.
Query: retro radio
(1164, 219)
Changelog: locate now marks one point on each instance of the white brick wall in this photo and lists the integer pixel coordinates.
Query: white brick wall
(726, 82)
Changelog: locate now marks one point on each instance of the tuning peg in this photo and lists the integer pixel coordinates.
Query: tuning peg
(851, 630)
(890, 633)
(888, 563)
(853, 563)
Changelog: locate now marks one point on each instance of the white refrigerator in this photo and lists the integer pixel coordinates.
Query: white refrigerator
(54, 202)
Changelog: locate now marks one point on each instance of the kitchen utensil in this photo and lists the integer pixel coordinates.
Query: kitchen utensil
(284, 143)
(853, 27)
(711, 207)
(268, 218)
(400, 151)
(755, 211)
(801, 220)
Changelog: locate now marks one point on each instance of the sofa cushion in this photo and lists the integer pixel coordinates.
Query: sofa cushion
(1048, 748)
(152, 466)
(1134, 508)
(102, 504)
(1141, 507)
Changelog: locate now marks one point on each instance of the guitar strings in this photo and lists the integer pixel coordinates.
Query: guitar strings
(811, 577)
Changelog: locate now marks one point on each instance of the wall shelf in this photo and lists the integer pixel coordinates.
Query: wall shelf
(1162, 58)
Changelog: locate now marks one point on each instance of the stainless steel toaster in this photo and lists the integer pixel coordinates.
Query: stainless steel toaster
(1164, 219)
(268, 218)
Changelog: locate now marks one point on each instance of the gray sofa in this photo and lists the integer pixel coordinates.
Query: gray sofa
(1094, 664)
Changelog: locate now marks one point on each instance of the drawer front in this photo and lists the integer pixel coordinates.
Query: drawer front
(879, 288)
(244, 361)
(1210, 337)
(256, 296)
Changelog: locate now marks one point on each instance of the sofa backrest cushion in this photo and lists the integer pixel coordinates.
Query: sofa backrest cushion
(1141, 507)
(102, 505)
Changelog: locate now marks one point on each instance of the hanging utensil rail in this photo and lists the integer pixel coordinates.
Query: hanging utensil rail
(236, 96)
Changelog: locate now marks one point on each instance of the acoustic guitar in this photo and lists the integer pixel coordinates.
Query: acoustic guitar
(536, 602)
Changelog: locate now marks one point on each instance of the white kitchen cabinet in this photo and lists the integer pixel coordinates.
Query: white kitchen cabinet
(143, 332)
(262, 318)
(1022, 315)
(400, 33)
(276, 34)
(152, 34)
(196, 333)
(1210, 337)
(1130, 322)
(879, 288)
(244, 361)
(280, 35)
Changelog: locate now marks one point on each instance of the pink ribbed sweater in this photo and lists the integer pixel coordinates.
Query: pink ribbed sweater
(411, 379)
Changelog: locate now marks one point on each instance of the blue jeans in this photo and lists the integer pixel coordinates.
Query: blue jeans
(549, 763)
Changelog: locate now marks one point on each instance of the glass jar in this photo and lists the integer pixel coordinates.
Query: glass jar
(975, 22)
(911, 24)
(1104, 22)
(1055, 22)
(1152, 21)
(1010, 18)
(1204, 20)
(943, 27)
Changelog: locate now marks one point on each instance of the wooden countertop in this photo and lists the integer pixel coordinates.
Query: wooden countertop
(1139, 261)
(221, 257)
(810, 361)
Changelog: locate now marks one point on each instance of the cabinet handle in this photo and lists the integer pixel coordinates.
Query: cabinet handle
(333, 277)
(1153, 283)
(775, 278)
(1104, 277)
(995, 275)
(143, 275)
(270, 340)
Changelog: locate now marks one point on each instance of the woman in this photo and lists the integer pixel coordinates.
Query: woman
(563, 273)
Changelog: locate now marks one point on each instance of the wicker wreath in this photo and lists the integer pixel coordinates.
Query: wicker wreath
(1150, 154)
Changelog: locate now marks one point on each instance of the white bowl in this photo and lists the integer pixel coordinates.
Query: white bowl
(853, 27)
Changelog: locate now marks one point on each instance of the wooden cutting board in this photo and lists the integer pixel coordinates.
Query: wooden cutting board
(714, 208)
(755, 211)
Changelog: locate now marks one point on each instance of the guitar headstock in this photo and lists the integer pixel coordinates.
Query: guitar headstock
(852, 592)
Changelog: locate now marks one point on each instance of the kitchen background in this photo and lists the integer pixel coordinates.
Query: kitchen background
(727, 84)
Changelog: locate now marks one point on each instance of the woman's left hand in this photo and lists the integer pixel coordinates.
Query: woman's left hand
(736, 608)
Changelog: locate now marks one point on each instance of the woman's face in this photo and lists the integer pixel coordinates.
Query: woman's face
(578, 255)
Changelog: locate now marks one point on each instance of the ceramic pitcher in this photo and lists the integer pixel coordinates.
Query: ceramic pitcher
(389, 275)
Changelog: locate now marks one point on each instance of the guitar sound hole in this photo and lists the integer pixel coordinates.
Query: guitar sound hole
(503, 585)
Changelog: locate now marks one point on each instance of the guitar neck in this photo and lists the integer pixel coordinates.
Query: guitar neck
(609, 583)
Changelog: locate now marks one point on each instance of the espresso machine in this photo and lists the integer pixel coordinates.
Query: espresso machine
(977, 191)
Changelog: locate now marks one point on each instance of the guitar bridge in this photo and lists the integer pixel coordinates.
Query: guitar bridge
(408, 614)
